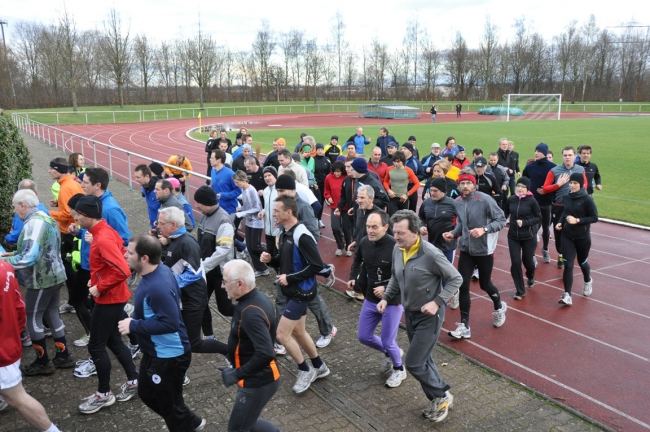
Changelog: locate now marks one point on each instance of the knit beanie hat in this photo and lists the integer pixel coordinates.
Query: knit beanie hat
(319, 146)
(542, 148)
(89, 206)
(272, 170)
(205, 195)
(360, 165)
(157, 169)
(439, 183)
(578, 178)
(285, 182)
(524, 181)
(72, 202)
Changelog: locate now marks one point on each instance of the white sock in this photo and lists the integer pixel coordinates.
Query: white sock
(53, 428)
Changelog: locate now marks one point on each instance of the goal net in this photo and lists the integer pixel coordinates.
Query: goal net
(531, 107)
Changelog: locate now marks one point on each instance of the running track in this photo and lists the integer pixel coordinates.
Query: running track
(593, 356)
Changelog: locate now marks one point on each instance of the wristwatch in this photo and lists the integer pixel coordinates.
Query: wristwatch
(487, 229)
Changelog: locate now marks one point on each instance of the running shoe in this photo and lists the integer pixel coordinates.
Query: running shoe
(461, 332)
(355, 295)
(518, 296)
(531, 282)
(331, 278)
(128, 309)
(201, 426)
(455, 301)
(475, 275)
(560, 262)
(83, 341)
(135, 349)
(322, 371)
(39, 369)
(47, 332)
(85, 368)
(387, 363)
(96, 402)
(587, 288)
(279, 349)
(321, 224)
(396, 378)
(546, 257)
(66, 308)
(338, 252)
(25, 339)
(186, 380)
(439, 408)
(500, 315)
(63, 363)
(566, 299)
(304, 380)
(323, 341)
(349, 253)
(3, 403)
(262, 273)
(128, 391)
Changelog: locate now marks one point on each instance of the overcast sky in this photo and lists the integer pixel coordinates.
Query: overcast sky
(235, 23)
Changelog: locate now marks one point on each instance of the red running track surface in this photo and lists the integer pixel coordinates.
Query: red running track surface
(593, 356)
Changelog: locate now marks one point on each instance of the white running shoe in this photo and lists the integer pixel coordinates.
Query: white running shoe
(85, 368)
(455, 301)
(475, 275)
(338, 252)
(387, 363)
(396, 378)
(128, 309)
(566, 299)
(322, 371)
(279, 349)
(66, 308)
(500, 315)
(83, 341)
(304, 380)
(96, 402)
(587, 288)
(461, 332)
(323, 341)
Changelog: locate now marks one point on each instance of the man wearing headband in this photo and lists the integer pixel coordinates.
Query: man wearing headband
(479, 221)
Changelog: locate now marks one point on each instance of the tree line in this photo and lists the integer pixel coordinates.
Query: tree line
(58, 65)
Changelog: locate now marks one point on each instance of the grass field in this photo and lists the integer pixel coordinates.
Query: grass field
(619, 149)
(146, 113)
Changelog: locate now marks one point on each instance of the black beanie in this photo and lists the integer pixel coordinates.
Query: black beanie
(578, 178)
(89, 206)
(285, 182)
(60, 168)
(157, 169)
(524, 181)
(272, 170)
(439, 183)
(205, 195)
(72, 202)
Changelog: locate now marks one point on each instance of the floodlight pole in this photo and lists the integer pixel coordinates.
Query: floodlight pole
(4, 43)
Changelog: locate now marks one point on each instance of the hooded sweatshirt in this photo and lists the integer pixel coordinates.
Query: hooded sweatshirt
(581, 206)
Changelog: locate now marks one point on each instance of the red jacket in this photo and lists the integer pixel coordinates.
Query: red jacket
(460, 165)
(108, 267)
(333, 188)
(380, 170)
(12, 316)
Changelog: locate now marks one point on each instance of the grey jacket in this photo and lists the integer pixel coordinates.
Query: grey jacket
(478, 210)
(420, 280)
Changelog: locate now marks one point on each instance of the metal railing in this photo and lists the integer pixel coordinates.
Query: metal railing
(118, 162)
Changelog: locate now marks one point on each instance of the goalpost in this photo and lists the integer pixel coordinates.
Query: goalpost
(531, 106)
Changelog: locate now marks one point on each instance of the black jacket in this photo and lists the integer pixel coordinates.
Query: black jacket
(349, 191)
(272, 160)
(526, 209)
(333, 152)
(361, 216)
(489, 185)
(537, 172)
(593, 176)
(372, 266)
(507, 161)
(439, 217)
(184, 254)
(581, 206)
(250, 342)
(322, 167)
(452, 188)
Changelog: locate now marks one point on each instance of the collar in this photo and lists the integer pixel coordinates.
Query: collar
(179, 232)
(407, 255)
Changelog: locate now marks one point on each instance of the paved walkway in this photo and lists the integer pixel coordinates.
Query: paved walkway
(352, 398)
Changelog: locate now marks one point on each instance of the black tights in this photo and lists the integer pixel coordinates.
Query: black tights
(521, 250)
(484, 264)
(557, 215)
(570, 249)
(546, 228)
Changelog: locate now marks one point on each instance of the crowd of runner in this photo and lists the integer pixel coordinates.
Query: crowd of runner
(145, 296)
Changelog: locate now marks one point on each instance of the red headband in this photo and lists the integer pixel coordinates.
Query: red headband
(466, 177)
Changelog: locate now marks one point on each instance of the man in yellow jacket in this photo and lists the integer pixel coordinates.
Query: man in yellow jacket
(181, 162)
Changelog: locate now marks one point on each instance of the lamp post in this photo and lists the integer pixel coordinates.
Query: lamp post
(13, 90)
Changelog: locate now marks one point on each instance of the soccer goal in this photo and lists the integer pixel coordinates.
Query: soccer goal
(531, 107)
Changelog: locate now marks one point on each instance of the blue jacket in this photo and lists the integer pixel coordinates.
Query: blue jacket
(17, 226)
(157, 323)
(359, 142)
(115, 216)
(152, 202)
(187, 207)
(223, 184)
(383, 141)
(416, 166)
(537, 172)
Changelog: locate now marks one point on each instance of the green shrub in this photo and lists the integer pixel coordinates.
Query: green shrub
(15, 165)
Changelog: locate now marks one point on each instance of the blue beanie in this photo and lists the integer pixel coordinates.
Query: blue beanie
(360, 165)
(542, 148)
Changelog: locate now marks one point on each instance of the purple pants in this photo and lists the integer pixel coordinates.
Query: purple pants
(368, 321)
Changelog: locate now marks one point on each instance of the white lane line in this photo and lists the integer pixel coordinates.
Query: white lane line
(622, 239)
(577, 333)
(559, 384)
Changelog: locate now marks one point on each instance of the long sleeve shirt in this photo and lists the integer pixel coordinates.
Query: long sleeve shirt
(251, 206)
(108, 268)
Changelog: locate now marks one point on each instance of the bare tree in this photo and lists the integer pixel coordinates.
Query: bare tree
(143, 53)
(89, 69)
(28, 53)
(263, 48)
(164, 64)
(458, 64)
(202, 55)
(411, 50)
(291, 45)
(565, 44)
(338, 34)
(350, 71)
(520, 55)
(69, 35)
(116, 50)
(430, 67)
(487, 55)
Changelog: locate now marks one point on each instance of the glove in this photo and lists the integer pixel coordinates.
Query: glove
(229, 376)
